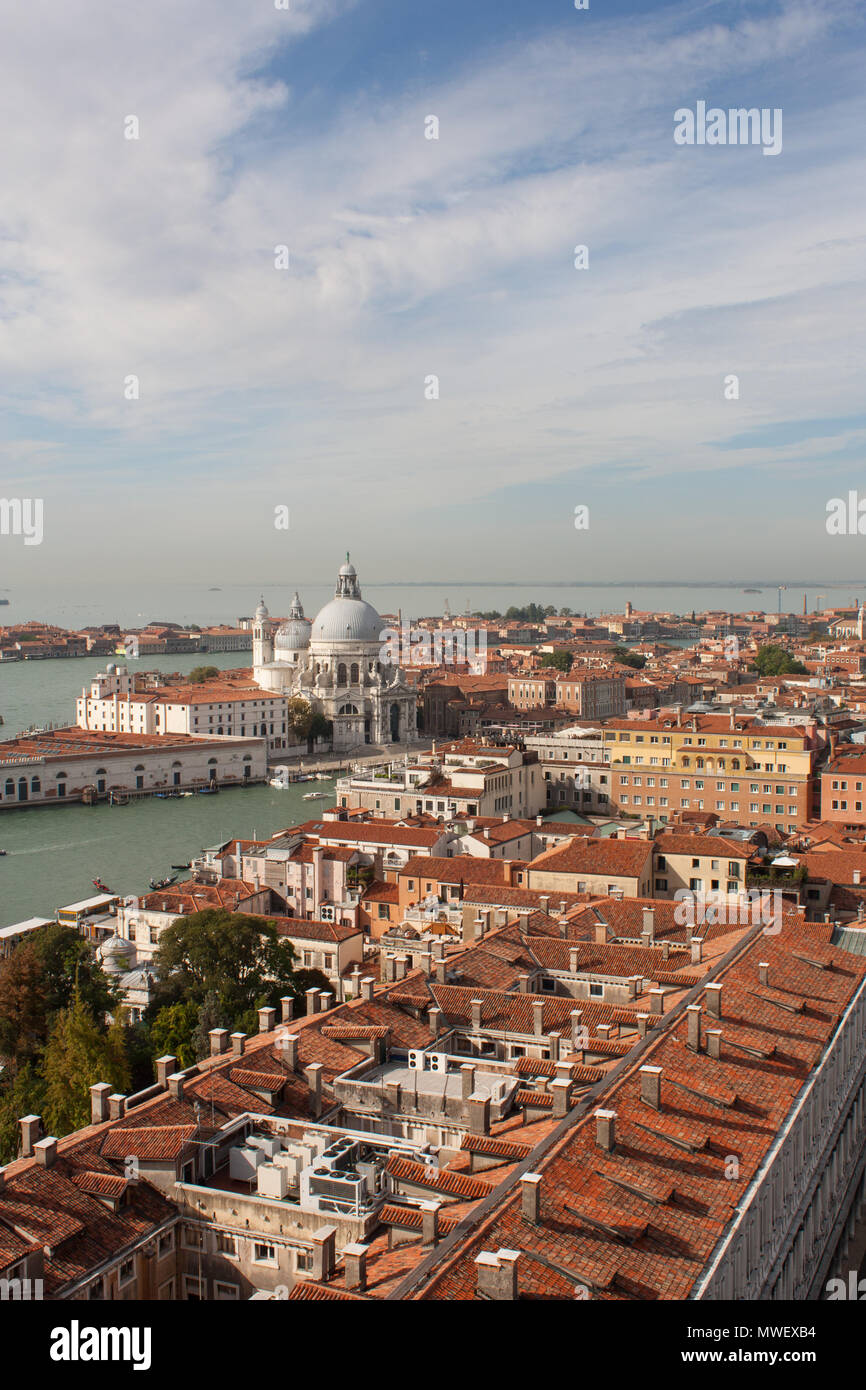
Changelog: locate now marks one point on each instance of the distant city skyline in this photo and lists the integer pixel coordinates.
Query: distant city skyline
(156, 257)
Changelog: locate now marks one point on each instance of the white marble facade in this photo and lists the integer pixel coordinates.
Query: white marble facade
(336, 663)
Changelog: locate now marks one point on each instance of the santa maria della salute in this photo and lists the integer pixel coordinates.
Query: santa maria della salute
(336, 663)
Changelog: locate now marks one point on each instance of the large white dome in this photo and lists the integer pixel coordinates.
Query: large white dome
(347, 618)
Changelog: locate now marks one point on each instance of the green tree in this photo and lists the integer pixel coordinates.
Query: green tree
(300, 713)
(235, 956)
(21, 1093)
(210, 1016)
(40, 979)
(625, 657)
(78, 1054)
(773, 660)
(172, 1032)
(560, 660)
(199, 674)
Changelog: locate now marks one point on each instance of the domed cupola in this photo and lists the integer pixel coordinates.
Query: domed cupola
(115, 954)
(294, 634)
(347, 619)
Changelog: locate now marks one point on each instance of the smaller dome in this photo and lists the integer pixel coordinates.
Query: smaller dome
(115, 954)
(294, 634)
(262, 611)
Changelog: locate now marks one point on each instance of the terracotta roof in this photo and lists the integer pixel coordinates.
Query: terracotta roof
(159, 1143)
(462, 1185)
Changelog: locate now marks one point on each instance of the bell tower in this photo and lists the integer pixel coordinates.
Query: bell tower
(263, 636)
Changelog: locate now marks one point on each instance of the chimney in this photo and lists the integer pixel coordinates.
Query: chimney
(434, 1019)
(714, 1042)
(530, 1201)
(697, 946)
(175, 1085)
(479, 1114)
(99, 1102)
(476, 1006)
(693, 1040)
(555, 1045)
(764, 972)
(577, 1033)
(643, 1021)
(605, 1130)
(288, 1046)
(467, 1080)
(497, 1275)
(440, 972)
(46, 1151)
(401, 967)
(287, 1008)
(164, 1068)
(117, 1105)
(219, 1041)
(267, 1020)
(666, 948)
(355, 1266)
(313, 1073)
(657, 1001)
(538, 1017)
(425, 960)
(523, 983)
(572, 961)
(649, 922)
(651, 1086)
(324, 1253)
(238, 1044)
(561, 1090)
(544, 904)
(312, 997)
(714, 1000)
(600, 934)
(430, 1222)
(367, 988)
(326, 1000)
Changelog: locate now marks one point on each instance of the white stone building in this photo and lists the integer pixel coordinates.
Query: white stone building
(336, 663)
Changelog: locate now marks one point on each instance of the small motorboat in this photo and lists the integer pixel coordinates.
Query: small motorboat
(187, 793)
(103, 887)
(316, 796)
(2, 852)
(207, 791)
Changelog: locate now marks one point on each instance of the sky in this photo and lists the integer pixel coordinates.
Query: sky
(166, 387)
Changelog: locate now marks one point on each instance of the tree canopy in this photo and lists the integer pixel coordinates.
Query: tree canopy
(773, 660)
(624, 657)
(560, 660)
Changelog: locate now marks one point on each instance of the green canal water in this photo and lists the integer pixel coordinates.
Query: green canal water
(53, 852)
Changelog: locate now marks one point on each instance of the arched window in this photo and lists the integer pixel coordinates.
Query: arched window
(139, 767)
(348, 709)
(736, 764)
(355, 674)
(341, 673)
(10, 786)
(264, 728)
(35, 784)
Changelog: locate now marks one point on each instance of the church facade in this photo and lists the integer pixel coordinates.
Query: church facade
(338, 663)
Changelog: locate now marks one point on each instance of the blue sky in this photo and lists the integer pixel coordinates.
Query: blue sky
(411, 258)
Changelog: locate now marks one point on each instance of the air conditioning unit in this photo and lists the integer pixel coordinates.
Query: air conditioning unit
(416, 1059)
(438, 1061)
